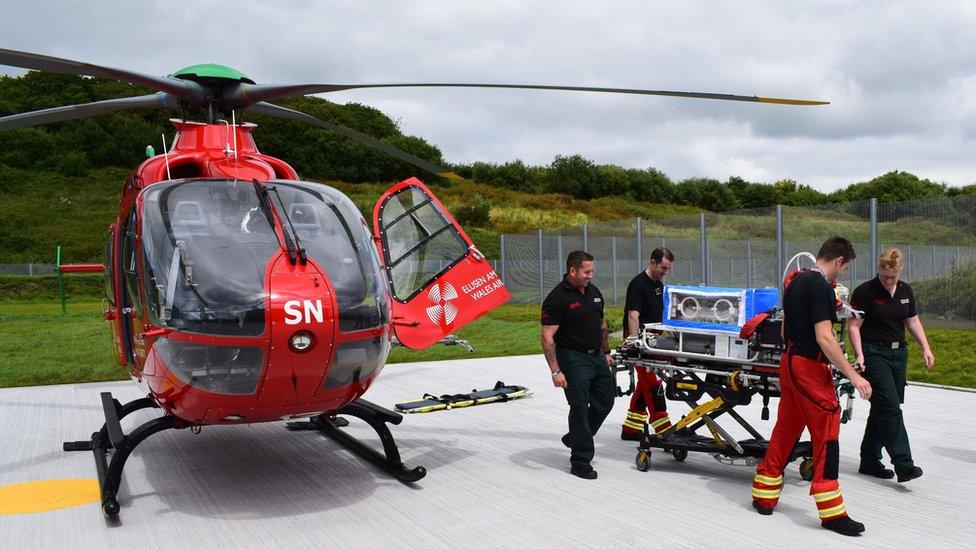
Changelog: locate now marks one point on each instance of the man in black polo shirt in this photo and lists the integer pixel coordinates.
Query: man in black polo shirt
(645, 304)
(575, 343)
(808, 399)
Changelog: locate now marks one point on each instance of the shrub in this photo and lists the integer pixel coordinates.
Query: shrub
(475, 213)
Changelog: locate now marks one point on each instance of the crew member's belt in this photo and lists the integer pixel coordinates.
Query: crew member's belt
(818, 357)
(587, 351)
(885, 344)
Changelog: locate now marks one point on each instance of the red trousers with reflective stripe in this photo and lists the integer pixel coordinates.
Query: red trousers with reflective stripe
(642, 401)
(808, 401)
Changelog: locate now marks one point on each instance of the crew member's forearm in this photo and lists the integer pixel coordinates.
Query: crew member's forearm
(835, 355)
(854, 333)
(549, 350)
(918, 333)
(605, 337)
(633, 323)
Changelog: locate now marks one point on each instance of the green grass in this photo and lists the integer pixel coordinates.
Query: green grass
(954, 363)
(74, 211)
(40, 346)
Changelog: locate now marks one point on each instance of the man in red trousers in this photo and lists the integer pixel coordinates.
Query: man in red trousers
(809, 399)
(645, 304)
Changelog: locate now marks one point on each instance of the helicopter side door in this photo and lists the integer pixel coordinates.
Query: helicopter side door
(439, 281)
(127, 278)
(110, 306)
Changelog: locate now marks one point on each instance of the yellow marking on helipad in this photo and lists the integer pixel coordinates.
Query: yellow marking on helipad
(47, 495)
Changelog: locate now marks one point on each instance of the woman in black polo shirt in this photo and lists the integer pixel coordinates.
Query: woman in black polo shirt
(879, 343)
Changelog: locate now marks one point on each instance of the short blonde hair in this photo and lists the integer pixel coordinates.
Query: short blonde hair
(892, 259)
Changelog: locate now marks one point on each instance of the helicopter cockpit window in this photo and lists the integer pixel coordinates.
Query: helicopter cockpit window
(336, 236)
(420, 242)
(207, 245)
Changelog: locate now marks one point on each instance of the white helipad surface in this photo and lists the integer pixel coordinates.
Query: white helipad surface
(497, 476)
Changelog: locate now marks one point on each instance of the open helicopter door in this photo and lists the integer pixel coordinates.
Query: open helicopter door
(439, 281)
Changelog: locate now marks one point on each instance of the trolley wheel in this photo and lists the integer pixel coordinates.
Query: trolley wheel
(806, 469)
(679, 455)
(643, 460)
(110, 507)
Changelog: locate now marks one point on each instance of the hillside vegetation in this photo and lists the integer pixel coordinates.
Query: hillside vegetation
(59, 184)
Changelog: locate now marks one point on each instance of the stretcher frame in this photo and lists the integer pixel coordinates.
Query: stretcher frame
(727, 382)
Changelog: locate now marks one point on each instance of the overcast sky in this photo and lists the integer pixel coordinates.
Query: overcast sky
(901, 76)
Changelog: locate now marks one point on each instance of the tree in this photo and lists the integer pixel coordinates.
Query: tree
(575, 176)
(650, 185)
(894, 186)
(706, 193)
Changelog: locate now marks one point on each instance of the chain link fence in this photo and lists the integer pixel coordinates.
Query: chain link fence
(750, 248)
(28, 269)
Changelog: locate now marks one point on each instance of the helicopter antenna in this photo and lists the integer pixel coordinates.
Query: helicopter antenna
(169, 176)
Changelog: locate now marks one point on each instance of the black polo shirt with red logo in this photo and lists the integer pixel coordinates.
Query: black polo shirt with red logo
(884, 314)
(579, 316)
(646, 296)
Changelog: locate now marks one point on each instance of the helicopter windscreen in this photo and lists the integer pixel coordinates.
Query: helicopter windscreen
(336, 236)
(207, 244)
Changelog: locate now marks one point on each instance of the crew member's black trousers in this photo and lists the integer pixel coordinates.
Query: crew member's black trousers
(590, 392)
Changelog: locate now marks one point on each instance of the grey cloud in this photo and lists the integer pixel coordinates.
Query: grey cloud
(899, 74)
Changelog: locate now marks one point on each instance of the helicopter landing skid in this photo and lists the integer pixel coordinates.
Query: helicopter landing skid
(111, 439)
(377, 417)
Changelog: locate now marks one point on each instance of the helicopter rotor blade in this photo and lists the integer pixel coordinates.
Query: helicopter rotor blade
(268, 109)
(72, 112)
(246, 94)
(178, 87)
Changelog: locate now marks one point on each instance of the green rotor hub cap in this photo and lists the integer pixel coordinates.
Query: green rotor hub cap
(212, 70)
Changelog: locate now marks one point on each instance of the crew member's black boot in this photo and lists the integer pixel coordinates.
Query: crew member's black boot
(845, 526)
(876, 470)
(583, 471)
(905, 475)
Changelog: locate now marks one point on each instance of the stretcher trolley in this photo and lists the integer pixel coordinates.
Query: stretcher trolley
(715, 352)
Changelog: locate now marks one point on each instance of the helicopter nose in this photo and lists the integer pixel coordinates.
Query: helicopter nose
(302, 327)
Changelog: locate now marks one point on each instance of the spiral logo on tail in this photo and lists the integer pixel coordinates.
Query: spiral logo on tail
(442, 309)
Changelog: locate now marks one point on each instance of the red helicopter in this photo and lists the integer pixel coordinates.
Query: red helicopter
(239, 293)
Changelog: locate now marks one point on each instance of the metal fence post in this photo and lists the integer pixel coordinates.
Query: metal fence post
(542, 271)
(704, 249)
(779, 250)
(559, 252)
(908, 260)
(874, 232)
(640, 263)
(749, 277)
(613, 251)
(501, 252)
(586, 237)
